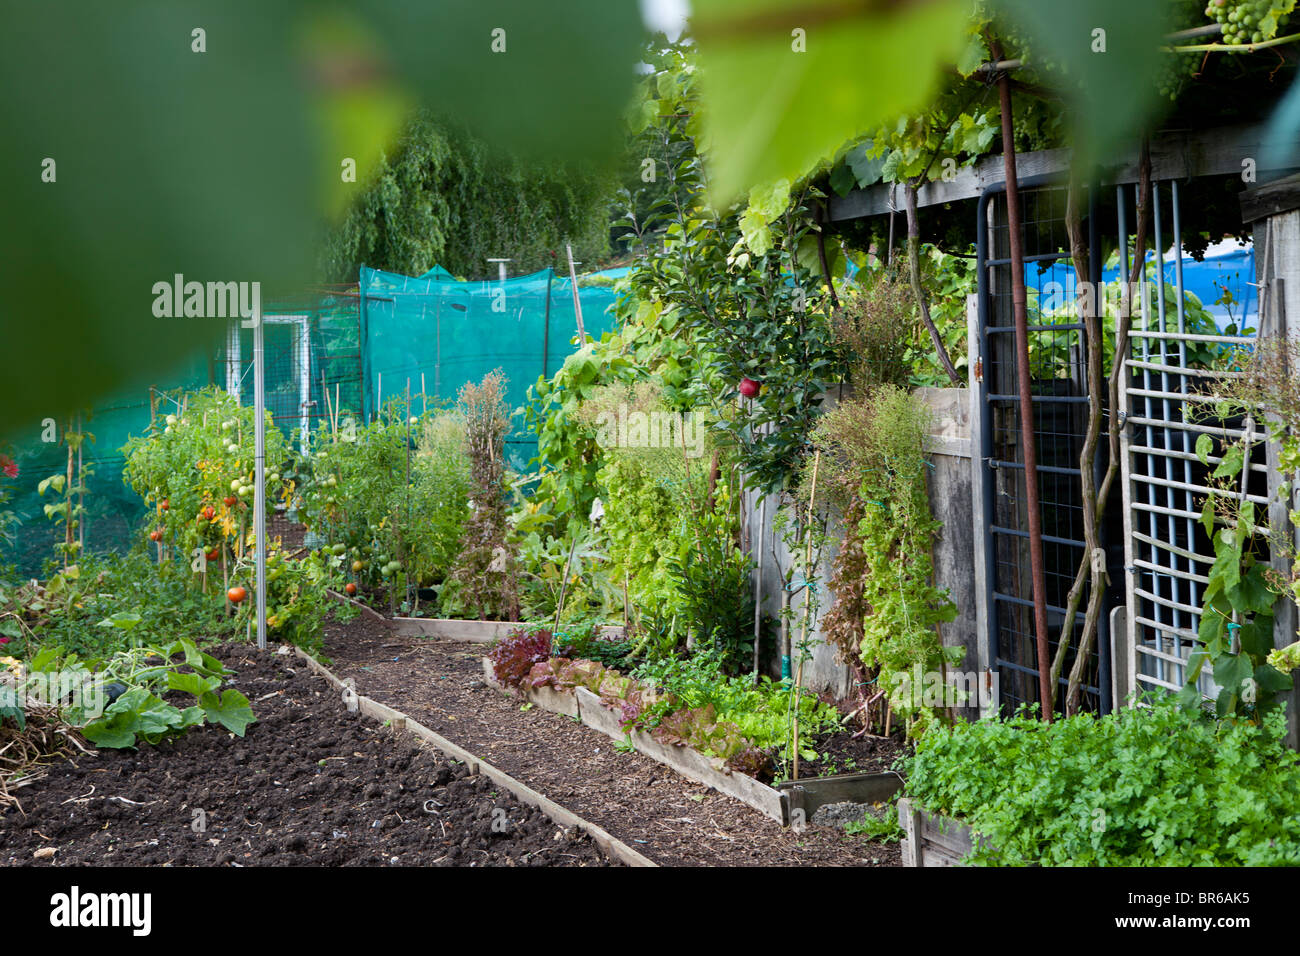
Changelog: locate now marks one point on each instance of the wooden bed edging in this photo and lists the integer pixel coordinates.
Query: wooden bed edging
(476, 632)
(809, 793)
(369, 707)
(685, 761)
(931, 840)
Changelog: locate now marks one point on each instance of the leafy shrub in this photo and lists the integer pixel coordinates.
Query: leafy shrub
(1139, 787)
(353, 492)
(875, 328)
(515, 654)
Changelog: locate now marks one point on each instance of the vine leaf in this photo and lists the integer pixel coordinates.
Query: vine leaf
(1232, 462)
(1204, 448)
(1106, 53)
(775, 111)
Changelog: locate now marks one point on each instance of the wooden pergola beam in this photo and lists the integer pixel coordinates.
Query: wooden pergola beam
(1182, 155)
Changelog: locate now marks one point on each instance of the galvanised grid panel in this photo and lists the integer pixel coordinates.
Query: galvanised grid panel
(1172, 370)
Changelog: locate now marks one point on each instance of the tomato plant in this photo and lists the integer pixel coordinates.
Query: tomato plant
(195, 468)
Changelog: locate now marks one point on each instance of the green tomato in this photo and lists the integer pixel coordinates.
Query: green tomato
(236, 484)
(244, 491)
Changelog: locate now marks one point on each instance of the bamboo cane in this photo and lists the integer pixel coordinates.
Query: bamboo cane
(807, 607)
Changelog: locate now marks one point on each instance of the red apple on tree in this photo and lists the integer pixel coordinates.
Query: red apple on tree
(748, 387)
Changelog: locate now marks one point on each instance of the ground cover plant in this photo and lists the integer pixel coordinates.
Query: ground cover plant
(1148, 786)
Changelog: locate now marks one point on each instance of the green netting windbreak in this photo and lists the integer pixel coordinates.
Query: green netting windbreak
(311, 346)
(113, 511)
(433, 334)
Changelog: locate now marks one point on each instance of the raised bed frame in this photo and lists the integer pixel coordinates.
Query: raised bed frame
(400, 722)
(931, 840)
(791, 801)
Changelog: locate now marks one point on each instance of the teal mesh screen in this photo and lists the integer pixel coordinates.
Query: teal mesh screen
(344, 345)
(112, 509)
(432, 334)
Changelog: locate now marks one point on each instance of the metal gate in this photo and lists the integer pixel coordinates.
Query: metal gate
(1058, 358)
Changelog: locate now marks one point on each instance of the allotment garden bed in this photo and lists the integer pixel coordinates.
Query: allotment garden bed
(308, 784)
(669, 819)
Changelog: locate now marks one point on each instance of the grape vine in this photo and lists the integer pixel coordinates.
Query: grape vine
(1250, 21)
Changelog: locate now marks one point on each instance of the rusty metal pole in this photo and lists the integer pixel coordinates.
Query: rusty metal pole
(1027, 443)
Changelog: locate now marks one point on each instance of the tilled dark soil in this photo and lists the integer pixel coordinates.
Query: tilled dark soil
(309, 784)
(643, 803)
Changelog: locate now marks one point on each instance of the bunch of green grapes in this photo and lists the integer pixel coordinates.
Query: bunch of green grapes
(1249, 21)
(1175, 70)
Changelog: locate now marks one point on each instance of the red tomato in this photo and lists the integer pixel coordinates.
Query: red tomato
(236, 594)
(351, 589)
(207, 512)
(166, 503)
(155, 535)
(229, 501)
(213, 554)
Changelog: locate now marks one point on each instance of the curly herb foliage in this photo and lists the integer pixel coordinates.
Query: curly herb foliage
(1139, 787)
(881, 439)
(483, 580)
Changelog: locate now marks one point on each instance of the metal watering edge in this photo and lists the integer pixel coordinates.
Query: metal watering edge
(399, 721)
(685, 761)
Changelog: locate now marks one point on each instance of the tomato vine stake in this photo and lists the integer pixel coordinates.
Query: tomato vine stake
(1027, 442)
(577, 301)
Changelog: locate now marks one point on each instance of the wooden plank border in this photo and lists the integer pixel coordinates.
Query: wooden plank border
(399, 721)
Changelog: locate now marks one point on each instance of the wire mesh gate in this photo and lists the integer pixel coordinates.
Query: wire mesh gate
(313, 361)
(1176, 356)
(1058, 357)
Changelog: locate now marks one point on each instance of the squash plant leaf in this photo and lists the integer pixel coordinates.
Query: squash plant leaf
(231, 710)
